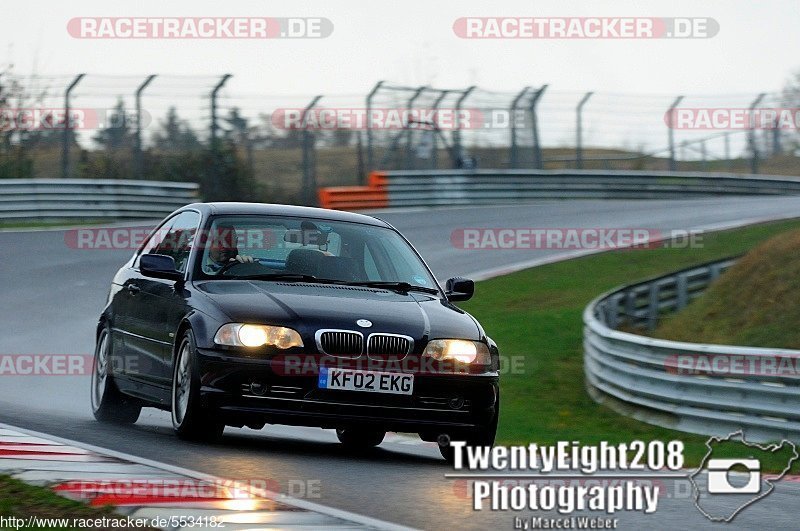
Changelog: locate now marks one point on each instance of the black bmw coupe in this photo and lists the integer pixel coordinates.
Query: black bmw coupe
(237, 314)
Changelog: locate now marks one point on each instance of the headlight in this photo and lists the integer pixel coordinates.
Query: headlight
(250, 335)
(459, 350)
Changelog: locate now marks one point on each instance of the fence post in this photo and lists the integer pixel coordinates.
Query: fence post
(579, 130)
(728, 158)
(212, 188)
(362, 172)
(653, 305)
(512, 111)
(751, 135)
(309, 160)
(537, 145)
(776, 138)
(681, 292)
(434, 154)
(671, 131)
(137, 146)
(457, 145)
(67, 136)
(409, 132)
(370, 153)
(703, 155)
(214, 92)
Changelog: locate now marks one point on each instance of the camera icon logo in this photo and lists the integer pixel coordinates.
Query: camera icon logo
(733, 484)
(719, 481)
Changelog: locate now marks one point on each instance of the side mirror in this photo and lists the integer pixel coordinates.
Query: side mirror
(459, 289)
(159, 266)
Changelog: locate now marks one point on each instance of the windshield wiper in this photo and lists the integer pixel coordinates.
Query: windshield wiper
(397, 286)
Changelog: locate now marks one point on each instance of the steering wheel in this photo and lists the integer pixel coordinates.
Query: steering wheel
(227, 267)
(248, 268)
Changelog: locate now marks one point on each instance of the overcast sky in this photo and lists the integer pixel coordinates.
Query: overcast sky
(413, 42)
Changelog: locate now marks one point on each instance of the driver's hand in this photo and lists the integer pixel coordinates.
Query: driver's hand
(242, 259)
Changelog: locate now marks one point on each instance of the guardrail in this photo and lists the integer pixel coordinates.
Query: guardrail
(56, 199)
(462, 187)
(698, 388)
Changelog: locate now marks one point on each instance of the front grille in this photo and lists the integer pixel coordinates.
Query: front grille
(389, 345)
(342, 343)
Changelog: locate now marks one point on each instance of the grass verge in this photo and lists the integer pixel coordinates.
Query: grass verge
(54, 224)
(536, 316)
(754, 303)
(20, 500)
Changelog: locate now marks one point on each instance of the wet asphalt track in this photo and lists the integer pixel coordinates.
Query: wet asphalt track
(50, 296)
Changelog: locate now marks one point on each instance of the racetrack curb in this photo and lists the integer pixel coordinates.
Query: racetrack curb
(141, 488)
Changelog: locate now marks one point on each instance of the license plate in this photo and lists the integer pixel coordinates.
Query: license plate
(370, 381)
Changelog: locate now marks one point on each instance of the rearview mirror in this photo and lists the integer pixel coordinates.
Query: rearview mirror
(459, 289)
(159, 266)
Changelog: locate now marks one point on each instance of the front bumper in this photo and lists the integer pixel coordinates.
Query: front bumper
(247, 391)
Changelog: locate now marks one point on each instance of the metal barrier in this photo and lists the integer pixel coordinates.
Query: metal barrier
(698, 388)
(54, 199)
(459, 187)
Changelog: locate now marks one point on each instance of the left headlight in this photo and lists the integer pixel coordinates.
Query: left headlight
(461, 350)
(250, 335)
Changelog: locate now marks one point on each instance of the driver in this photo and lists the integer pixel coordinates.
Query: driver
(224, 249)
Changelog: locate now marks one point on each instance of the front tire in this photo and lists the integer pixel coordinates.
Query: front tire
(360, 438)
(187, 415)
(108, 403)
(483, 436)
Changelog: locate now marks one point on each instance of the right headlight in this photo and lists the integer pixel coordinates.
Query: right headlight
(461, 350)
(250, 335)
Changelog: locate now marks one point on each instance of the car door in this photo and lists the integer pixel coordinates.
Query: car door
(132, 348)
(162, 303)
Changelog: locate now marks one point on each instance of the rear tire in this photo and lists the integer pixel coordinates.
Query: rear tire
(108, 403)
(187, 414)
(360, 438)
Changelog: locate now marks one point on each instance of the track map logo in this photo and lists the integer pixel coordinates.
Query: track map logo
(724, 486)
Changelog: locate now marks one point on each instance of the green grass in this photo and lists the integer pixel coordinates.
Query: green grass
(21, 500)
(536, 315)
(755, 303)
(55, 223)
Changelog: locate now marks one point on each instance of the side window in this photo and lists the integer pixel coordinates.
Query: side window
(177, 239)
(157, 237)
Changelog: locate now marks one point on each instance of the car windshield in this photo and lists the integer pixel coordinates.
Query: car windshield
(308, 249)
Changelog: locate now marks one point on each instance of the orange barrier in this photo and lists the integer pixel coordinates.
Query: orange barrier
(377, 179)
(374, 195)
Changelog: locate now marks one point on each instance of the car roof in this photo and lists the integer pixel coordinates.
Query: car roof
(267, 209)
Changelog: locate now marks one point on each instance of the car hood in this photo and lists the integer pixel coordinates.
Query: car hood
(309, 307)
